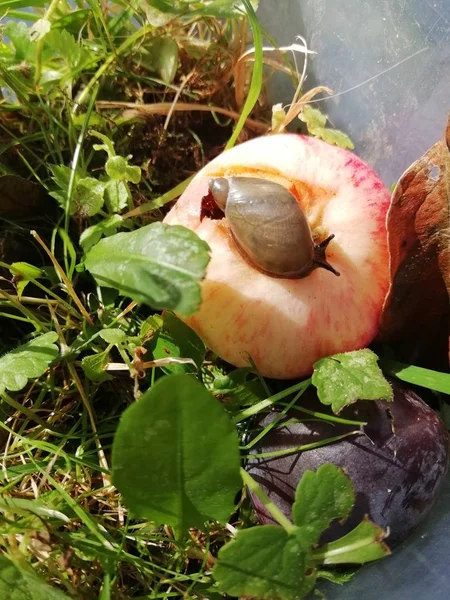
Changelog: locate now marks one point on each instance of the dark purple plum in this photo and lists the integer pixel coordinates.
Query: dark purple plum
(397, 462)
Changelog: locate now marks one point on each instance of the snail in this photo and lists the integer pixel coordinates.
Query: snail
(269, 226)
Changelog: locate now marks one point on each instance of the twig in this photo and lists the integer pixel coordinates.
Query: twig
(164, 108)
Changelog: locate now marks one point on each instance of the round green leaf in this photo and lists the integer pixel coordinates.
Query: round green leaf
(176, 455)
(88, 197)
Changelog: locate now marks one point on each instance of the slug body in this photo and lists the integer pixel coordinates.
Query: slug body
(269, 226)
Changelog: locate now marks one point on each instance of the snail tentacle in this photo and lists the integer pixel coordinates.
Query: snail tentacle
(320, 259)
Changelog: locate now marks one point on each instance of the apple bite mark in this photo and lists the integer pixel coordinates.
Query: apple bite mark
(286, 324)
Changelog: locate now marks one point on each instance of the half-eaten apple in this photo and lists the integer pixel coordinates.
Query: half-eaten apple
(297, 212)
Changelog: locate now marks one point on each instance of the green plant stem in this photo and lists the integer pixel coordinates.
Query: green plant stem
(74, 165)
(40, 44)
(39, 325)
(330, 418)
(160, 201)
(273, 424)
(47, 291)
(304, 447)
(256, 408)
(274, 510)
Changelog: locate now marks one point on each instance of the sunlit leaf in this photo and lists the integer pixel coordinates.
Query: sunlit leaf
(265, 562)
(176, 455)
(94, 233)
(94, 366)
(322, 496)
(87, 199)
(342, 379)
(363, 544)
(27, 361)
(159, 264)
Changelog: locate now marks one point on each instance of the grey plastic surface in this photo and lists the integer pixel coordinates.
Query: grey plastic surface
(396, 111)
(393, 113)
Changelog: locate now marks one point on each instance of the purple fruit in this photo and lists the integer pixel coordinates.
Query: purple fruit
(397, 462)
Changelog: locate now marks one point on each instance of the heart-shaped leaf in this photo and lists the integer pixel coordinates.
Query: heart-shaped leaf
(176, 455)
(159, 264)
(416, 310)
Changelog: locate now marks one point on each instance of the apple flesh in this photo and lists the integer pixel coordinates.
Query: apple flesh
(397, 463)
(286, 325)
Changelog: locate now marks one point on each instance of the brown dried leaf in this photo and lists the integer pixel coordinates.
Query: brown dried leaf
(416, 311)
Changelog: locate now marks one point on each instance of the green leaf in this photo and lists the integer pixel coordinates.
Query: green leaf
(313, 118)
(342, 379)
(239, 389)
(264, 562)
(87, 198)
(150, 326)
(17, 32)
(27, 361)
(433, 380)
(315, 123)
(93, 234)
(339, 577)
(24, 273)
(107, 146)
(118, 168)
(321, 497)
(116, 197)
(62, 47)
(159, 264)
(22, 506)
(363, 544)
(61, 175)
(25, 270)
(257, 75)
(176, 339)
(15, 4)
(113, 336)
(160, 56)
(335, 137)
(16, 584)
(156, 17)
(94, 366)
(176, 455)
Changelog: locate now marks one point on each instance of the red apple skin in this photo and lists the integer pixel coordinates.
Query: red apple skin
(397, 464)
(286, 325)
